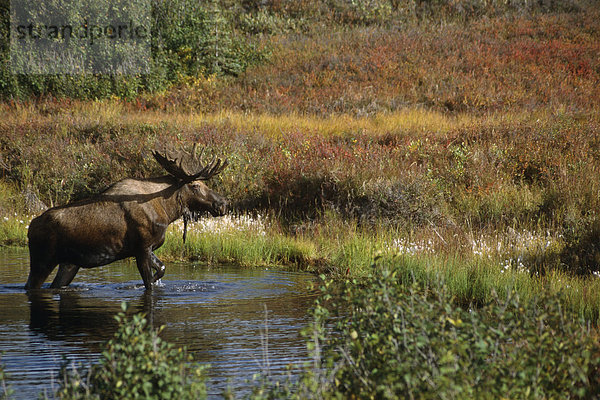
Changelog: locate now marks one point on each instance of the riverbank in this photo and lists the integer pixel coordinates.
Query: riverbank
(508, 343)
(474, 275)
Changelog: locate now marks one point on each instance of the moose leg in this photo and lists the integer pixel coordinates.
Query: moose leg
(144, 266)
(64, 276)
(158, 266)
(40, 267)
(38, 273)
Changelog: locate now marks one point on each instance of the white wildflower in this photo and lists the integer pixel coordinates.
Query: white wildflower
(226, 224)
(405, 247)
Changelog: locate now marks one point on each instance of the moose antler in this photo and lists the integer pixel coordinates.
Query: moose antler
(188, 167)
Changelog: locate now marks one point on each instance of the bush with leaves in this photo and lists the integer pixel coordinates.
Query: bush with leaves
(188, 39)
(393, 341)
(136, 364)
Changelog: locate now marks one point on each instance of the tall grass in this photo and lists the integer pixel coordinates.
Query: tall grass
(411, 120)
(242, 247)
(472, 274)
(13, 230)
(477, 281)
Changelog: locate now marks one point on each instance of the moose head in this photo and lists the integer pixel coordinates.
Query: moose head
(191, 173)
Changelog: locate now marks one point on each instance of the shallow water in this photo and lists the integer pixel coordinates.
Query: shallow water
(221, 314)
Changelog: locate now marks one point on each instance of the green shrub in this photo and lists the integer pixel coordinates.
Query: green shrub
(136, 364)
(188, 39)
(391, 341)
(193, 38)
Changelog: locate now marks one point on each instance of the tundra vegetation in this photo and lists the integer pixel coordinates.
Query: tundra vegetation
(457, 143)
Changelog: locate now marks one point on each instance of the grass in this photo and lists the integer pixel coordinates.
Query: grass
(476, 281)
(233, 240)
(474, 274)
(378, 124)
(13, 231)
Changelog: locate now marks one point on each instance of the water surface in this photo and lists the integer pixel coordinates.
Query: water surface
(240, 321)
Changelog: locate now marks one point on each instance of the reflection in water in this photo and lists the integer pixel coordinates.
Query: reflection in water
(66, 317)
(219, 315)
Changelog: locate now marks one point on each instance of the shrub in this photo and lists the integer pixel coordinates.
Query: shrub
(136, 364)
(397, 342)
(189, 39)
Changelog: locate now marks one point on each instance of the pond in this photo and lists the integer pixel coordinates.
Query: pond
(240, 321)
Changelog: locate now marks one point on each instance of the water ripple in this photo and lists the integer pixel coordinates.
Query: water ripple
(220, 314)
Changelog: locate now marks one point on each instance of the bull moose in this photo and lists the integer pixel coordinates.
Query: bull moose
(129, 219)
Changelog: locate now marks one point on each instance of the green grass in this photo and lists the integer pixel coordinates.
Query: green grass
(476, 281)
(13, 231)
(341, 250)
(247, 249)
